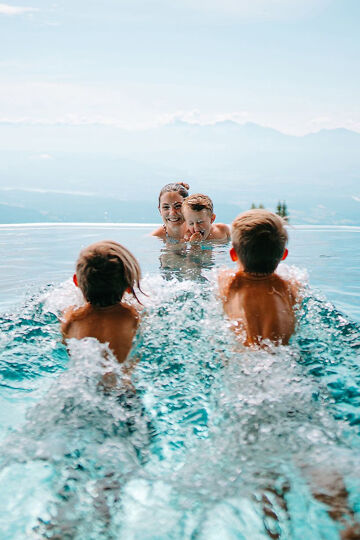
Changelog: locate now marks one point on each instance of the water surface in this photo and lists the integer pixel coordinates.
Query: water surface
(219, 442)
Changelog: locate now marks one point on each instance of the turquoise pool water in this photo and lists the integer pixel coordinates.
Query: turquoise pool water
(222, 443)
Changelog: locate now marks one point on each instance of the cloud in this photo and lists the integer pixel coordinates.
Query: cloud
(43, 157)
(260, 9)
(133, 107)
(57, 191)
(357, 199)
(321, 120)
(5, 9)
(64, 103)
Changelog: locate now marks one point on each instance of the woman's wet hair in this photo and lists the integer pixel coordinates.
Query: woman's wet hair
(181, 187)
(259, 238)
(104, 271)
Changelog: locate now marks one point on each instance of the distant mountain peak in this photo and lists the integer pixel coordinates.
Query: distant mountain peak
(335, 132)
(180, 122)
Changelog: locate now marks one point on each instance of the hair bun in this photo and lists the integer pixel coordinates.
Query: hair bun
(184, 184)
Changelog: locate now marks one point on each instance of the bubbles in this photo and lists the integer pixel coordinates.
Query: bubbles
(90, 436)
(58, 299)
(31, 354)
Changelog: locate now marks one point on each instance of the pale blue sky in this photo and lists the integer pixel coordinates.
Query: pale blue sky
(289, 64)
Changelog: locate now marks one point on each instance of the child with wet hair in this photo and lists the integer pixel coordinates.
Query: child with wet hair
(198, 212)
(258, 301)
(104, 272)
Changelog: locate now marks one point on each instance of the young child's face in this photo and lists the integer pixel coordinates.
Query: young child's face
(198, 221)
(170, 209)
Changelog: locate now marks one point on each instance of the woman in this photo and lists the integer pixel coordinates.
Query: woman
(170, 201)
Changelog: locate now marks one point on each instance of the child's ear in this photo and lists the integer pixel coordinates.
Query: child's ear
(213, 218)
(233, 255)
(75, 280)
(286, 253)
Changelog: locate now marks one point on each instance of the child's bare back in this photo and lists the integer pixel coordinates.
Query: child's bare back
(262, 307)
(104, 272)
(115, 325)
(259, 301)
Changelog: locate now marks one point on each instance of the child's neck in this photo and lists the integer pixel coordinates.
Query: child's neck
(257, 275)
(105, 308)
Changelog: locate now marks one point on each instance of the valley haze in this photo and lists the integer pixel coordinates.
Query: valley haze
(119, 175)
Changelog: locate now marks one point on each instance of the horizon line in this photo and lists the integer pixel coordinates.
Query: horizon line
(101, 224)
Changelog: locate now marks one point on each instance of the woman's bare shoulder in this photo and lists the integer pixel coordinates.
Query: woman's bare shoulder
(159, 232)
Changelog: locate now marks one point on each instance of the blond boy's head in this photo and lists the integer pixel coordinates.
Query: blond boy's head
(199, 202)
(259, 239)
(198, 212)
(104, 271)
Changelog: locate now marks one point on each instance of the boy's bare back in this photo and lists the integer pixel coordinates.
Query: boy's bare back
(262, 307)
(259, 301)
(115, 325)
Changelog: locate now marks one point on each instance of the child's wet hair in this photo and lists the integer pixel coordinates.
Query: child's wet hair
(259, 238)
(181, 187)
(199, 202)
(104, 271)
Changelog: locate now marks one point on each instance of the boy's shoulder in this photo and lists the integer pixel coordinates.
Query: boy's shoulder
(295, 289)
(73, 313)
(130, 311)
(121, 310)
(220, 231)
(225, 278)
(122, 313)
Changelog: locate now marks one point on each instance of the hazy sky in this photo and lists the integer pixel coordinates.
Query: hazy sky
(289, 64)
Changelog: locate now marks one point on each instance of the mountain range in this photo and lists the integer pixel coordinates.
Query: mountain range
(105, 173)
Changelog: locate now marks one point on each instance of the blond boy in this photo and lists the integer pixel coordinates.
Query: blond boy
(259, 301)
(199, 217)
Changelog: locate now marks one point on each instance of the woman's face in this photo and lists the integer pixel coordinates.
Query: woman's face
(170, 210)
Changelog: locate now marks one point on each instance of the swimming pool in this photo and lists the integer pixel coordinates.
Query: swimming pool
(221, 442)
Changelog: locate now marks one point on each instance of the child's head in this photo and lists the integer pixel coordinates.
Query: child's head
(104, 271)
(259, 241)
(198, 214)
